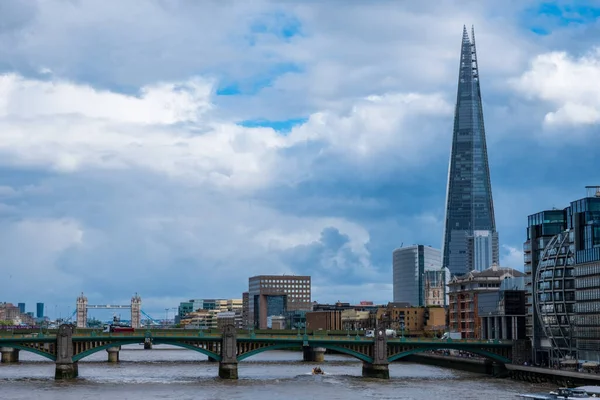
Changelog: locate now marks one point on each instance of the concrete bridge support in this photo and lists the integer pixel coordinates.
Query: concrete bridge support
(228, 366)
(9, 355)
(65, 367)
(379, 367)
(313, 354)
(113, 354)
(148, 344)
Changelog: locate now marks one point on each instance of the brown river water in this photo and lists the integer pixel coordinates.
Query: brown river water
(172, 373)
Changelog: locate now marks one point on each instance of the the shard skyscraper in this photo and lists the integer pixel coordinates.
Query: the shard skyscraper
(470, 237)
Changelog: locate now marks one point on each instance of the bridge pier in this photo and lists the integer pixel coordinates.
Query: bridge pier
(65, 367)
(148, 344)
(228, 365)
(313, 354)
(113, 354)
(378, 371)
(9, 355)
(379, 367)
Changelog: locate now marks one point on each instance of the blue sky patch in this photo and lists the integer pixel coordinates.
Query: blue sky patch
(548, 15)
(282, 25)
(254, 84)
(280, 126)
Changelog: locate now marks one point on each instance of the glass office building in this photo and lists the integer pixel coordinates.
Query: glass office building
(415, 268)
(562, 263)
(584, 220)
(469, 204)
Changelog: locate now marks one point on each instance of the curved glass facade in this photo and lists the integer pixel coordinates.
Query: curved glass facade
(555, 296)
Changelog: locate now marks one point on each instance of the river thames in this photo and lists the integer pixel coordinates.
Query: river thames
(172, 373)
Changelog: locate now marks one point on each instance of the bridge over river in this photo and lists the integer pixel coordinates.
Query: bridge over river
(67, 346)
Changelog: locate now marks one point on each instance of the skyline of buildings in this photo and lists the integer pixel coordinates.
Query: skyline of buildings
(470, 240)
(554, 302)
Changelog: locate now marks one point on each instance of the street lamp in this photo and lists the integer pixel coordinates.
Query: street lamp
(166, 316)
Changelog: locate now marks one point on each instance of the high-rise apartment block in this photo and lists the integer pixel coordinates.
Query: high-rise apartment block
(277, 295)
(470, 237)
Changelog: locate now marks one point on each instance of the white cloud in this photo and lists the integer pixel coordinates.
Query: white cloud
(162, 103)
(71, 127)
(511, 257)
(379, 125)
(571, 85)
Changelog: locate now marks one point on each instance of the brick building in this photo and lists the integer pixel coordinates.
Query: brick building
(464, 290)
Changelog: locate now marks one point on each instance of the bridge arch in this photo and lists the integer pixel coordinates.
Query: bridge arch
(481, 352)
(31, 350)
(89, 352)
(283, 346)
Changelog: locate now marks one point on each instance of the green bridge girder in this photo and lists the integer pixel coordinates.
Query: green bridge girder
(275, 342)
(169, 341)
(481, 352)
(18, 346)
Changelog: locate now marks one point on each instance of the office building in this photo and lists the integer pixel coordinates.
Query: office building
(464, 292)
(502, 313)
(415, 269)
(205, 312)
(562, 263)
(39, 310)
(470, 237)
(245, 310)
(21, 308)
(412, 321)
(278, 295)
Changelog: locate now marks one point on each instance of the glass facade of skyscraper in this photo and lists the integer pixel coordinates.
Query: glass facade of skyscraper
(562, 263)
(469, 204)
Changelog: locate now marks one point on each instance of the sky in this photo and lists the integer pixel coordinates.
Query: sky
(175, 148)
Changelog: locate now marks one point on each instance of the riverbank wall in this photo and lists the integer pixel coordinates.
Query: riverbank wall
(556, 376)
(476, 365)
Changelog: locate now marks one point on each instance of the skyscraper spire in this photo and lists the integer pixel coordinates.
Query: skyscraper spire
(470, 237)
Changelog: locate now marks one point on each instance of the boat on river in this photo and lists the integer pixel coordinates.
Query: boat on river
(582, 392)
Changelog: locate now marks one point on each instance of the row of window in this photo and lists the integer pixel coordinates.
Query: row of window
(557, 320)
(552, 307)
(547, 285)
(588, 294)
(593, 319)
(557, 273)
(557, 296)
(590, 281)
(588, 332)
(588, 345)
(587, 307)
(587, 270)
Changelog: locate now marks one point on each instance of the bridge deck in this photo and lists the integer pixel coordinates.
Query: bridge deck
(36, 336)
